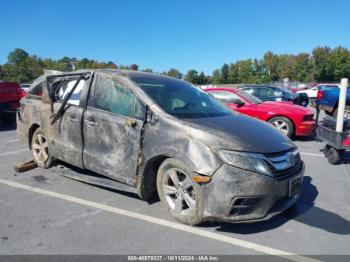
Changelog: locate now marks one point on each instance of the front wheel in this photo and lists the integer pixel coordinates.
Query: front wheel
(283, 124)
(40, 149)
(182, 197)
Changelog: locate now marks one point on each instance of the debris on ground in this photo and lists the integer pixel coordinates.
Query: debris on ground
(25, 166)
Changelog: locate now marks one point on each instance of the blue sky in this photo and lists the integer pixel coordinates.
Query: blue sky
(160, 34)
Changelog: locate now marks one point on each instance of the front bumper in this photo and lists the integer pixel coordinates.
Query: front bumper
(237, 195)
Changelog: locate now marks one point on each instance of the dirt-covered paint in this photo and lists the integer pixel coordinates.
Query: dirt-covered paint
(131, 149)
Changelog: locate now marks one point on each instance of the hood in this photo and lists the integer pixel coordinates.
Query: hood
(238, 132)
(287, 106)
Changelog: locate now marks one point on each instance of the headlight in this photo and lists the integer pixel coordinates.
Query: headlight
(248, 161)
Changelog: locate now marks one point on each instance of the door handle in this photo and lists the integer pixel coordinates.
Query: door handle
(74, 120)
(130, 122)
(91, 123)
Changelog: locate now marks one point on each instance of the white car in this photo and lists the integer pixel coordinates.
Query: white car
(312, 92)
(25, 87)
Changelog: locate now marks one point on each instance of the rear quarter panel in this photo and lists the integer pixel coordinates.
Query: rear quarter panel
(330, 99)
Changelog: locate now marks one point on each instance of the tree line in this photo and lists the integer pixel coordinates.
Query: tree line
(324, 64)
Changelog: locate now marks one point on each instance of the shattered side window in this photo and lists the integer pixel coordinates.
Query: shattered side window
(110, 95)
(66, 87)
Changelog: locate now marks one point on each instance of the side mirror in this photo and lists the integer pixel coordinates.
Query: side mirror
(239, 102)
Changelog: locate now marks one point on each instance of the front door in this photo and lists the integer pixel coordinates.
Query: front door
(66, 134)
(112, 129)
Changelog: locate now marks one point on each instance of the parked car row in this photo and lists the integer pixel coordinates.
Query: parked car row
(288, 118)
(273, 93)
(147, 133)
(312, 92)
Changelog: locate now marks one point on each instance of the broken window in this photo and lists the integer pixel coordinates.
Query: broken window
(66, 87)
(110, 95)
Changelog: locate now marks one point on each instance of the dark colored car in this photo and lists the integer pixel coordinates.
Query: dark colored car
(10, 94)
(272, 93)
(152, 133)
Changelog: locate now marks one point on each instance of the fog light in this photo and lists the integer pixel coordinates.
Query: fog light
(243, 205)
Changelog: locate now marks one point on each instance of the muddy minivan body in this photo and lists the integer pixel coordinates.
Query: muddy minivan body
(153, 133)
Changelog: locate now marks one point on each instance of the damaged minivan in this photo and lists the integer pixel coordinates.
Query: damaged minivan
(146, 133)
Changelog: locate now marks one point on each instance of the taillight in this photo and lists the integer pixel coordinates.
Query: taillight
(346, 142)
(23, 93)
(320, 94)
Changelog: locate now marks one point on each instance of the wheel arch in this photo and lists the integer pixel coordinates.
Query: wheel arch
(31, 131)
(148, 176)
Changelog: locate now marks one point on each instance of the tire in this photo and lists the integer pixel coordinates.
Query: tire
(183, 197)
(333, 156)
(304, 103)
(40, 149)
(283, 124)
(325, 150)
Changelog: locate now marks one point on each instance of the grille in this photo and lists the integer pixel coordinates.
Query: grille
(281, 175)
(285, 164)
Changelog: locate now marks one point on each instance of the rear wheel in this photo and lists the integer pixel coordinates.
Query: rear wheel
(283, 124)
(40, 149)
(333, 156)
(182, 197)
(325, 150)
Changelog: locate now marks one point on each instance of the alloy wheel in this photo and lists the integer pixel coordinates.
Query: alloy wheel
(178, 190)
(40, 148)
(282, 126)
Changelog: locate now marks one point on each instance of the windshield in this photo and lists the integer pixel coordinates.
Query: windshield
(179, 98)
(252, 99)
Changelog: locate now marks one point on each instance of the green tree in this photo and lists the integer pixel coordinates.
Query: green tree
(225, 73)
(134, 67)
(192, 77)
(174, 73)
(340, 60)
(216, 77)
(270, 63)
(303, 68)
(321, 63)
(21, 67)
(2, 74)
(202, 79)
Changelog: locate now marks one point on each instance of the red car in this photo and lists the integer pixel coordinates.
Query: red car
(289, 118)
(10, 94)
